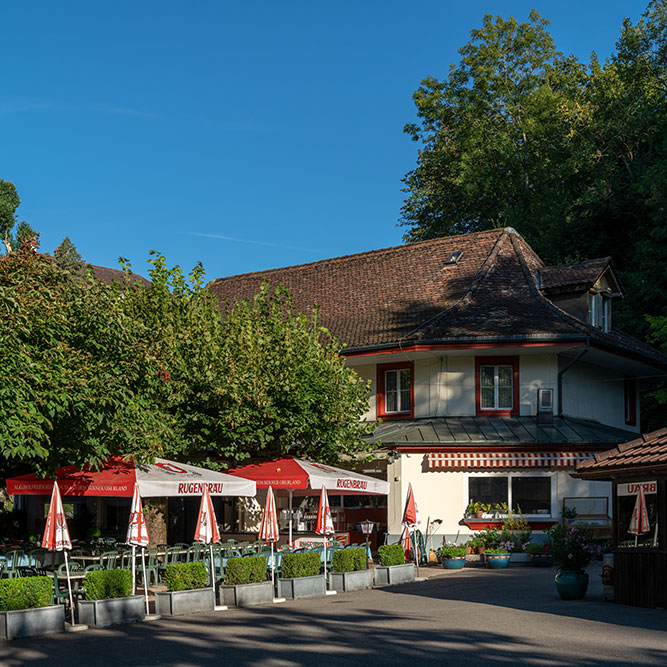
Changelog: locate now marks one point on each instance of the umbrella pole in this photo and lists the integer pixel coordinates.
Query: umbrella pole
(210, 546)
(134, 570)
(291, 544)
(414, 550)
(325, 563)
(143, 567)
(273, 567)
(69, 587)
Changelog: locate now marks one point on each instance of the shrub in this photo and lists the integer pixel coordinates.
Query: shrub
(452, 552)
(349, 560)
(25, 593)
(186, 576)
(248, 570)
(537, 549)
(391, 554)
(301, 565)
(107, 584)
(572, 548)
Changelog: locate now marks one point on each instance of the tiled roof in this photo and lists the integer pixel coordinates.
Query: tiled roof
(475, 431)
(573, 277)
(109, 276)
(410, 294)
(644, 453)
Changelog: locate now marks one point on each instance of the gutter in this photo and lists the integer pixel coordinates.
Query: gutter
(564, 370)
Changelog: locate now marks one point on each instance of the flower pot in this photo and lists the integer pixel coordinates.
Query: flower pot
(479, 514)
(393, 574)
(302, 587)
(456, 563)
(246, 595)
(497, 561)
(109, 612)
(571, 584)
(541, 560)
(193, 601)
(32, 622)
(350, 581)
(480, 550)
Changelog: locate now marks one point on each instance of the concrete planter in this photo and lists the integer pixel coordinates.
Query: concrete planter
(394, 574)
(519, 559)
(193, 601)
(32, 622)
(350, 581)
(246, 595)
(109, 612)
(302, 587)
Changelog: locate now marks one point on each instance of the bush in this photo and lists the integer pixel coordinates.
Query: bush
(301, 565)
(107, 584)
(25, 593)
(452, 552)
(248, 570)
(537, 549)
(349, 560)
(186, 576)
(391, 554)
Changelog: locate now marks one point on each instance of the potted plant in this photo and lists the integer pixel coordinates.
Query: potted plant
(349, 572)
(514, 536)
(453, 557)
(539, 555)
(246, 583)
(301, 576)
(188, 590)
(572, 550)
(392, 568)
(487, 538)
(109, 599)
(497, 558)
(26, 608)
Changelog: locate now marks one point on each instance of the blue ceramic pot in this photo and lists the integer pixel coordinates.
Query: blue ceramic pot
(541, 560)
(571, 584)
(454, 563)
(497, 561)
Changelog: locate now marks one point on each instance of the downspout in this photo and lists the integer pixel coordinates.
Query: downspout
(564, 370)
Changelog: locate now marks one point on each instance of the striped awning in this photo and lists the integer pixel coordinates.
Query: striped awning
(486, 460)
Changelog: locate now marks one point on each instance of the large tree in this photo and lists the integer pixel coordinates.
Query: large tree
(9, 202)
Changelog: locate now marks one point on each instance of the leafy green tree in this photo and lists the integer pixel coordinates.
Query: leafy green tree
(9, 202)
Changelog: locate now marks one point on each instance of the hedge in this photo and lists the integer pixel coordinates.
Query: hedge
(301, 565)
(186, 576)
(107, 584)
(391, 554)
(26, 593)
(349, 560)
(248, 570)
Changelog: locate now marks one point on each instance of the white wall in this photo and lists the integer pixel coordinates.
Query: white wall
(369, 373)
(536, 372)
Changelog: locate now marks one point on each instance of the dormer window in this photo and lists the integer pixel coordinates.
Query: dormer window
(599, 310)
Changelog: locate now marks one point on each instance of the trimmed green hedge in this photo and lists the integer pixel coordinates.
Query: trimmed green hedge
(186, 576)
(107, 584)
(349, 560)
(391, 554)
(26, 593)
(248, 570)
(301, 565)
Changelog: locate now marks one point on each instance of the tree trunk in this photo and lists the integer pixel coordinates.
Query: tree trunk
(156, 520)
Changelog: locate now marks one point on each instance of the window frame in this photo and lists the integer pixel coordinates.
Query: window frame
(512, 361)
(380, 403)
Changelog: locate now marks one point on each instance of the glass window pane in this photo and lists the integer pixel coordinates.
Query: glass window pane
(391, 380)
(626, 507)
(405, 379)
(531, 495)
(505, 376)
(487, 376)
(505, 398)
(405, 400)
(487, 397)
(391, 401)
(491, 490)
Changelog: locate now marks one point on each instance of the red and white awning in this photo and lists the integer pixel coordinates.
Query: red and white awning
(490, 460)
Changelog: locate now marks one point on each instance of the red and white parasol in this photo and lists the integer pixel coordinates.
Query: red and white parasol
(268, 528)
(411, 521)
(207, 527)
(639, 523)
(56, 535)
(137, 536)
(324, 525)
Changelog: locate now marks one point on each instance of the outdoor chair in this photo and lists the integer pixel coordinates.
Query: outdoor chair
(126, 560)
(95, 567)
(194, 553)
(152, 568)
(108, 560)
(14, 559)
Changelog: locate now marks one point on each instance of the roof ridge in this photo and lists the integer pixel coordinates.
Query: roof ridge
(366, 253)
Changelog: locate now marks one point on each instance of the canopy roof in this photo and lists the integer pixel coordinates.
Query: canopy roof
(117, 478)
(303, 477)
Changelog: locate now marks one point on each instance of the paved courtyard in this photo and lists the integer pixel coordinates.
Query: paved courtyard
(471, 617)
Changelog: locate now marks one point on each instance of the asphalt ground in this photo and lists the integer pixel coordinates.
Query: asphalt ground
(470, 617)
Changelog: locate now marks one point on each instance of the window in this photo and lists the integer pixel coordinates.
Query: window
(599, 311)
(497, 386)
(395, 390)
(626, 503)
(630, 400)
(529, 494)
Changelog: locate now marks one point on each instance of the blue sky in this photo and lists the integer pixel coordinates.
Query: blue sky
(245, 135)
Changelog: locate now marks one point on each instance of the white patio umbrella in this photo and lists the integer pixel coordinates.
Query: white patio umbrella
(137, 536)
(639, 523)
(268, 529)
(324, 525)
(207, 527)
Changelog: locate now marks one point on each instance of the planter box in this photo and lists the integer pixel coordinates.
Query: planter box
(32, 622)
(109, 612)
(351, 581)
(302, 587)
(246, 595)
(394, 574)
(520, 559)
(176, 603)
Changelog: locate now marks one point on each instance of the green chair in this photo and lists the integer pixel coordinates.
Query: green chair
(152, 568)
(108, 560)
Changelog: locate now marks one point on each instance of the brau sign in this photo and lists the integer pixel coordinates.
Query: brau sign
(632, 488)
